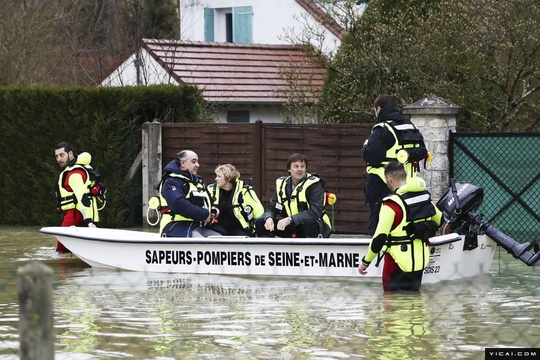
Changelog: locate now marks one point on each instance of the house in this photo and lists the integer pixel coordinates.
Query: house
(240, 53)
(260, 22)
(241, 82)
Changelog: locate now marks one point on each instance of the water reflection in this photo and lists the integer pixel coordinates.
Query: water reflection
(186, 314)
(178, 315)
(401, 328)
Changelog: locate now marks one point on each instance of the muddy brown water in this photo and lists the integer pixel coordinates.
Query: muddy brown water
(107, 314)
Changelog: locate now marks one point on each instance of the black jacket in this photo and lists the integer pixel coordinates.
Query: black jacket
(381, 139)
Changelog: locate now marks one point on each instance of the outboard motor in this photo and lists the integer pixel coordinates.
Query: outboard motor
(459, 205)
(458, 201)
(455, 204)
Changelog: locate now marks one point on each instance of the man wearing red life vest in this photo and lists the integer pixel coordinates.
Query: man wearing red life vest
(72, 190)
(407, 220)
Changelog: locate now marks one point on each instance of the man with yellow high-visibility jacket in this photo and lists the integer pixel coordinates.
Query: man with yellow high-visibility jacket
(73, 190)
(184, 200)
(297, 208)
(407, 220)
(392, 133)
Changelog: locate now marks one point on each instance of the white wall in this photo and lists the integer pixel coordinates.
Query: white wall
(265, 113)
(273, 20)
(152, 73)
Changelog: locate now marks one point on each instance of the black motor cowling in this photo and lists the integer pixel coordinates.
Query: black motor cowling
(459, 200)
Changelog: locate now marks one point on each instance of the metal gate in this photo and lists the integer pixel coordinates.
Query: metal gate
(506, 166)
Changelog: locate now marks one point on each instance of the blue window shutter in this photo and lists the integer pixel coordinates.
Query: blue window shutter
(243, 24)
(208, 24)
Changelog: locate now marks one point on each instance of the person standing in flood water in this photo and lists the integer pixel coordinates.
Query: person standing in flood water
(407, 220)
(75, 200)
(392, 133)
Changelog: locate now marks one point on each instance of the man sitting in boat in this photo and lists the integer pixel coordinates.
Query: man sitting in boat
(297, 208)
(184, 200)
(407, 220)
(237, 203)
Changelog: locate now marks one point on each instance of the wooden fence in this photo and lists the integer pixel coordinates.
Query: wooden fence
(260, 152)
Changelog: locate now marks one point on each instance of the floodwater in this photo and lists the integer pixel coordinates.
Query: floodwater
(104, 314)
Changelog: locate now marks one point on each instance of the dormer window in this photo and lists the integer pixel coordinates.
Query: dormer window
(229, 24)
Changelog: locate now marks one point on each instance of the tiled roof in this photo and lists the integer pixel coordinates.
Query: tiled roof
(237, 73)
(323, 17)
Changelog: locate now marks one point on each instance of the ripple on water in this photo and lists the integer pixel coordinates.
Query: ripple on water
(103, 314)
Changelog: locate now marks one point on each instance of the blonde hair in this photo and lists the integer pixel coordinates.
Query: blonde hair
(229, 172)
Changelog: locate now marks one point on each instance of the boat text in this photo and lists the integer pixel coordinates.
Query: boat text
(432, 269)
(247, 258)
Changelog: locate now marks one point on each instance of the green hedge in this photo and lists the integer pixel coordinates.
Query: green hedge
(106, 122)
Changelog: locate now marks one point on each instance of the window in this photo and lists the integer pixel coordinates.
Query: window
(229, 24)
(237, 116)
(228, 27)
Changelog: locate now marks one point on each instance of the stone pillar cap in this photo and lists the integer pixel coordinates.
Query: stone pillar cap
(432, 105)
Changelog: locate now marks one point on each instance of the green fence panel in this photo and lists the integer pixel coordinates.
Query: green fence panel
(506, 166)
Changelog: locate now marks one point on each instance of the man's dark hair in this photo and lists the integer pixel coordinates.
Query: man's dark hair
(65, 145)
(395, 169)
(384, 100)
(297, 157)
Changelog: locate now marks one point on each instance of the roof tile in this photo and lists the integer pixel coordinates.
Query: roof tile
(232, 72)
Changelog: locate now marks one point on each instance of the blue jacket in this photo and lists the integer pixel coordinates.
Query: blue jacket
(174, 190)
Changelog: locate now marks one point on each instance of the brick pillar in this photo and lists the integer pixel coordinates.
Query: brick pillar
(435, 118)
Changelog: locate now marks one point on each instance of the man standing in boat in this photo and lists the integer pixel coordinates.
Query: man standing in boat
(407, 220)
(392, 133)
(75, 200)
(184, 199)
(297, 208)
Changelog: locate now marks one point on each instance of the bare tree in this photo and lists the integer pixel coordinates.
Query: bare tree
(303, 90)
(28, 50)
(76, 42)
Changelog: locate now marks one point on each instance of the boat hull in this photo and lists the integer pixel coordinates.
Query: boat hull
(333, 257)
